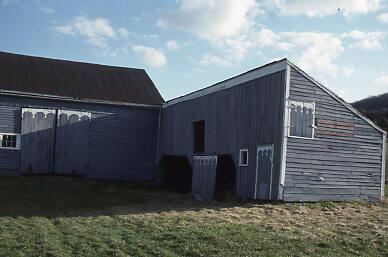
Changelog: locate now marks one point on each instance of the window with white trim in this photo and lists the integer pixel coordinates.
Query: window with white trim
(9, 141)
(243, 160)
(301, 119)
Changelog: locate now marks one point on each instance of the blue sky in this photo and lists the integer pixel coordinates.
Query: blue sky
(189, 44)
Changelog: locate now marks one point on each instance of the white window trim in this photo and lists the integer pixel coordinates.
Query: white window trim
(18, 141)
(240, 159)
(289, 119)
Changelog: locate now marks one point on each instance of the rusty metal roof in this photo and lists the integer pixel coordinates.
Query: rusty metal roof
(76, 80)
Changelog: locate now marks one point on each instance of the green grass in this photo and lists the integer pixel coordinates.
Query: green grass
(59, 216)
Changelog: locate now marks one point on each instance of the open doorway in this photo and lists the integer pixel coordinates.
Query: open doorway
(175, 173)
(226, 177)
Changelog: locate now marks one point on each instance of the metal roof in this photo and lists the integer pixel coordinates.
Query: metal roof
(76, 80)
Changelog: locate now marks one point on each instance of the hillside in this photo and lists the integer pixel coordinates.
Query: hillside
(375, 108)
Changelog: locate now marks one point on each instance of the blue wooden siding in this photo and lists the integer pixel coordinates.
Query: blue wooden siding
(10, 120)
(123, 140)
(342, 162)
(243, 116)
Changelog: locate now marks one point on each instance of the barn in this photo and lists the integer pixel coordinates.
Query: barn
(272, 133)
(63, 117)
(278, 134)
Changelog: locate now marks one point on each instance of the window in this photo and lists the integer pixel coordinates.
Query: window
(199, 136)
(10, 141)
(243, 157)
(301, 119)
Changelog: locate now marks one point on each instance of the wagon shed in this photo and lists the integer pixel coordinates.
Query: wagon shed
(64, 117)
(288, 138)
(272, 133)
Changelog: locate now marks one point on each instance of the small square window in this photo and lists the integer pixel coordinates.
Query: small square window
(243, 157)
(10, 141)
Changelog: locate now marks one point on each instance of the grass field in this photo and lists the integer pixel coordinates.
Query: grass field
(59, 216)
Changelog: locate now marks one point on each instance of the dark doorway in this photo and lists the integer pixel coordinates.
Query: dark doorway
(226, 176)
(175, 173)
(199, 136)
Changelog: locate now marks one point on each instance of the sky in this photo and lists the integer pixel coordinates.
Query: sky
(186, 45)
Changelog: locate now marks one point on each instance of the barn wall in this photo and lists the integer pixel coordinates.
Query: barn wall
(242, 116)
(123, 140)
(9, 123)
(341, 162)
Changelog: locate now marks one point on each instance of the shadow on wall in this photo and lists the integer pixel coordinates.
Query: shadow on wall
(120, 146)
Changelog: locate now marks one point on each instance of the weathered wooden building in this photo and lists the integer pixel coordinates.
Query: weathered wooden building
(290, 138)
(66, 117)
(272, 133)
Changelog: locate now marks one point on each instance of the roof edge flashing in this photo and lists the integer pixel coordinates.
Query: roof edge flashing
(75, 100)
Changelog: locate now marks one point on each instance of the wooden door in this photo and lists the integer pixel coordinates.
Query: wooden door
(264, 158)
(72, 142)
(204, 177)
(37, 140)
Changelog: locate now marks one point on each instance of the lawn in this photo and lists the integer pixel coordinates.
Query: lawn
(62, 216)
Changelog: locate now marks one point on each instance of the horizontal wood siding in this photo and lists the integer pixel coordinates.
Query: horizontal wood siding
(123, 140)
(242, 116)
(342, 162)
(10, 123)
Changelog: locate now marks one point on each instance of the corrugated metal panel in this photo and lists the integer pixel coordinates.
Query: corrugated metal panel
(242, 116)
(342, 162)
(122, 139)
(76, 80)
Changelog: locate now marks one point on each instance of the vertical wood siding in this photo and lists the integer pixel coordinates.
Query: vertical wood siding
(204, 177)
(242, 116)
(123, 140)
(342, 162)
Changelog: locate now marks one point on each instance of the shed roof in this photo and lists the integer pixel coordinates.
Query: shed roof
(76, 80)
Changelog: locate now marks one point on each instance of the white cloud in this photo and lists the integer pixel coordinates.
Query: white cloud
(123, 32)
(153, 57)
(209, 59)
(313, 55)
(172, 45)
(7, 2)
(42, 8)
(383, 17)
(365, 40)
(211, 19)
(97, 32)
(46, 10)
(382, 80)
(325, 7)
(348, 71)
(266, 37)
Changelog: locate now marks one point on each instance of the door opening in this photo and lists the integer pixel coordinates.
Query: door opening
(226, 177)
(175, 173)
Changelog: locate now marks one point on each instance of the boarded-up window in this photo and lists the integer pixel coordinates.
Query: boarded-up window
(199, 136)
(301, 122)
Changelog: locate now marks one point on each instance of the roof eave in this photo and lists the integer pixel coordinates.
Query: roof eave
(75, 100)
